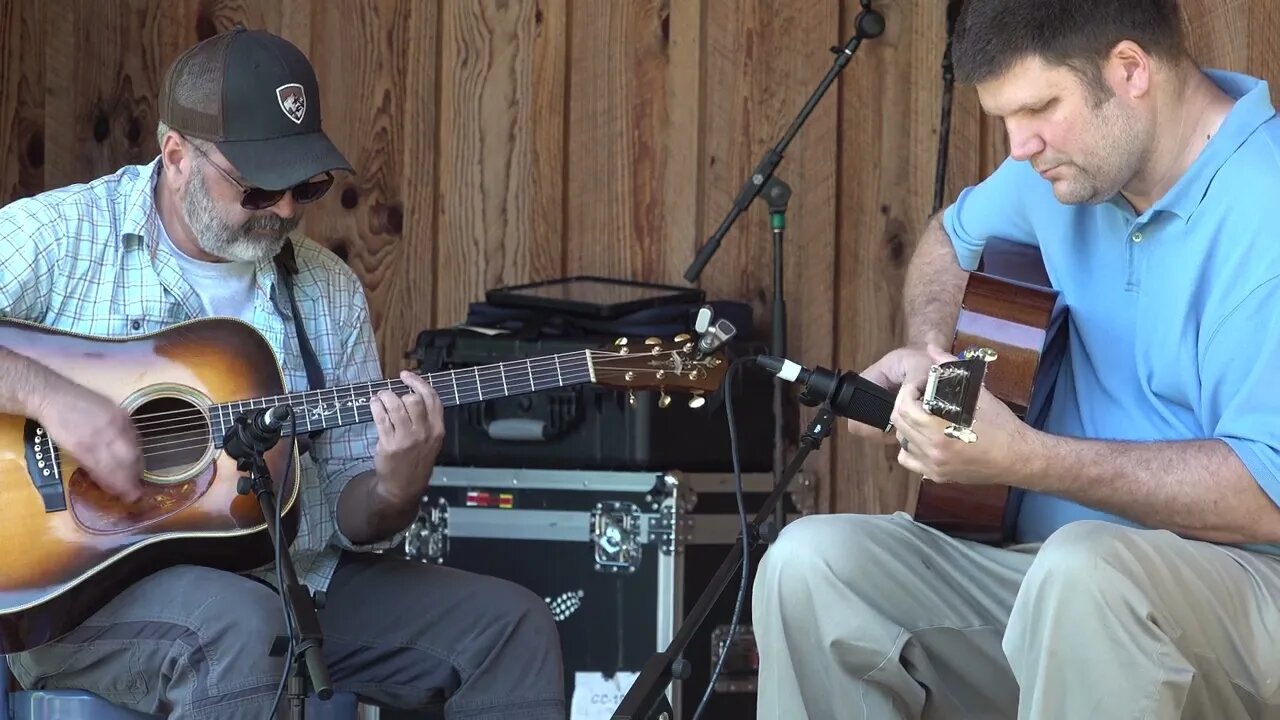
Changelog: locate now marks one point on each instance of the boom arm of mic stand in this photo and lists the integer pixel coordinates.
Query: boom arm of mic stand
(869, 25)
(649, 689)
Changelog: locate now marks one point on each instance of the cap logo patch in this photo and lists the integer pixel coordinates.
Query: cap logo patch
(292, 101)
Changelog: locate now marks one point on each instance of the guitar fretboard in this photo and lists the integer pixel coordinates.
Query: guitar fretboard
(349, 405)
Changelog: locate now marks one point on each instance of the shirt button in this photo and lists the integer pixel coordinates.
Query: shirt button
(136, 324)
(1137, 237)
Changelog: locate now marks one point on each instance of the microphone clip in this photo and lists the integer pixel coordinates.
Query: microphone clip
(253, 433)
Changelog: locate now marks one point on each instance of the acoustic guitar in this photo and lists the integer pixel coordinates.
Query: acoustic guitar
(68, 546)
(1010, 335)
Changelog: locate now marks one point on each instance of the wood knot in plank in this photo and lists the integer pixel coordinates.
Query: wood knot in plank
(340, 248)
(895, 232)
(101, 127)
(133, 131)
(35, 151)
(350, 198)
(386, 219)
(206, 26)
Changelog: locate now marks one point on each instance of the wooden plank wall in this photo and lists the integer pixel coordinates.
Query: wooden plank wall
(503, 141)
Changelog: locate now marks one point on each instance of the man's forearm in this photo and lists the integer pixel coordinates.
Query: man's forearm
(1195, 488)
(934, 287)
(368, 514)
(23, 382)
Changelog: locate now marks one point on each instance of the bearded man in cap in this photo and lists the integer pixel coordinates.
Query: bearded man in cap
(209, 229)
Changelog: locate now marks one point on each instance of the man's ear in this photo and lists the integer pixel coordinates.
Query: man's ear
(177, 158)
(1128, 69)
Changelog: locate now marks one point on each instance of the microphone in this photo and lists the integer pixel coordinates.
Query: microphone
(852, 396)
(270, 420)
(257, 430)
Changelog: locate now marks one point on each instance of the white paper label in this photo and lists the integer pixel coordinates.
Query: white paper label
(595, 696)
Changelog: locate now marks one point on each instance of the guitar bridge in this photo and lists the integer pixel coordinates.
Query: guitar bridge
(42, 466)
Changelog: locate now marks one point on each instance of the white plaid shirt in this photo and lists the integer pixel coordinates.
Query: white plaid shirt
(86, 258)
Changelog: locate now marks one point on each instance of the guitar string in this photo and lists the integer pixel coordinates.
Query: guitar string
(465, 395)
(493, 375)
(199, 437)
(490, 386)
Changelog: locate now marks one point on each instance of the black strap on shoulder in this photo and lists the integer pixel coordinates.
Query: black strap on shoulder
(287, 268)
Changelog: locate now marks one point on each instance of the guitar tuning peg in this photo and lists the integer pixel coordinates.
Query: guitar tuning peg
(620, 341)
(703, 319)
(664, 400)
(982, 353)
(652, 341)
(683, 337)
(697, 401)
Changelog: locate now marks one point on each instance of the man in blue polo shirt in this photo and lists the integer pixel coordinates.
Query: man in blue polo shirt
(1145, 577)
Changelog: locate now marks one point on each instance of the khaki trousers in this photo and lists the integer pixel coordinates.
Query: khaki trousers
(880, 617)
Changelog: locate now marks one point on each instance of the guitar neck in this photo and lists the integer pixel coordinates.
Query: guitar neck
(349, 405)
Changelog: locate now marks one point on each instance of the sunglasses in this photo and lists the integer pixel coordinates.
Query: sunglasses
(255, 198)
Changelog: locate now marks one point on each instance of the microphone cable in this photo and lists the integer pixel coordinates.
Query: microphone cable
(742, 532)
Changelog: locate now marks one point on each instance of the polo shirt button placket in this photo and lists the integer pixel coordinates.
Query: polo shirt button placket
(1132, 281)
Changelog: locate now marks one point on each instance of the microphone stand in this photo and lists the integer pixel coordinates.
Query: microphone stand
(869, 24)
(647, 698)
(944, 122)
(248, 444)
(777, 193)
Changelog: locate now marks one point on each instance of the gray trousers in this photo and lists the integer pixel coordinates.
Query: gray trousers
(193, 642)
(880, 617)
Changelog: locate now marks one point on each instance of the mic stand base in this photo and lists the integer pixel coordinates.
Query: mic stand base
(306, 664)
(647, 698)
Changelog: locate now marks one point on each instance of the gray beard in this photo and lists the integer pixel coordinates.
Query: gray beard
(221, 239)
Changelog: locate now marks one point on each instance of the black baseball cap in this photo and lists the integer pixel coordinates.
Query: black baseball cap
(254, 95)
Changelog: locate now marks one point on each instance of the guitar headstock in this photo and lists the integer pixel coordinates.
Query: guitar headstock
(655, 364)
(951, 391)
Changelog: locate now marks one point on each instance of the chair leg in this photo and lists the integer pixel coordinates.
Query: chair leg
(6, 687)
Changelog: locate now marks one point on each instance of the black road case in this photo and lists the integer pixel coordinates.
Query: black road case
(619, 557)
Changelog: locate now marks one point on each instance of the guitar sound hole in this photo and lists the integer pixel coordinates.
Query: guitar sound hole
(175, 437)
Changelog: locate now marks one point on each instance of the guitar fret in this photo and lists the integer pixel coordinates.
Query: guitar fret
(539, 382)
(445, 397)
(521, 382)
(304, 408)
